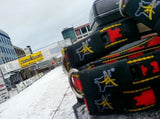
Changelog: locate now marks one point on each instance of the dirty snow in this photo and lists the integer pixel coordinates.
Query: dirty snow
(50, 97)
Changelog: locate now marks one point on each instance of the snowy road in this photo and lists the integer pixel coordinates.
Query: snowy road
(48, 98)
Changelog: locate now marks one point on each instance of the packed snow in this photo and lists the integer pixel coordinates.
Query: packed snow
(50, 97)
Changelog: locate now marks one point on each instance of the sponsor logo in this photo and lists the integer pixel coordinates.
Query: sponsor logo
(84, 50)
(147, 8)
(105, 81)
(103, 103)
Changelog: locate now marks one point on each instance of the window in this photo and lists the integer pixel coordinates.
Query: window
(2, 49)
(7, 41)
(54, 50)
(80, 37)
(12, 52)
(2, 40)
(5, 50)
(9, 51)
(78, 32)
(84, 30)
(5, 59)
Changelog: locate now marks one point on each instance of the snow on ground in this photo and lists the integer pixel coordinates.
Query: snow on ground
(50, 97)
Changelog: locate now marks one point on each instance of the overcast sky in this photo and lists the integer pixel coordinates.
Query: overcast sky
(39, 23)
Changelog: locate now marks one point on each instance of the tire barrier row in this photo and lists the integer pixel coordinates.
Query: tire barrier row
(114, 70)
(120, 87)
(101, 43)
(129, 51)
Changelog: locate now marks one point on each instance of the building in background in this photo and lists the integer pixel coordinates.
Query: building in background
(7, 51)
(64, 43)
(28, 50)
(19, 51)
(28, 68)
(82, 31)
(77, 33)
(68, 33)
(51, 51)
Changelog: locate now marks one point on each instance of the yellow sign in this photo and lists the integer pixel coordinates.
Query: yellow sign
(30, 59)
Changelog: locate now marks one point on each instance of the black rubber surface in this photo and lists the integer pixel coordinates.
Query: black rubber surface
(145, 11)
(82, 113)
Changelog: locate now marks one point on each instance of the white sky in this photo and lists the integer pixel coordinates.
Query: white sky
(50, 97)
(39, 22)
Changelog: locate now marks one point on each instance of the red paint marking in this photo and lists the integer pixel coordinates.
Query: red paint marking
(85, 101)
(156, 66)
(144, 70)
(136, 55)
(157, 49)
(154, 41)
(111, 62)
(114, 34)
(112, 56)
(77, 83)
(146, 98)
(66, 56)
(136, 48)
(91, 67)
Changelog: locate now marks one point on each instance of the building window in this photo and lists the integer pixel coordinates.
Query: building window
(2, 49)
(78, 32)
(5, 50)
(5, 59)
(4, 40)
(12, 52)
(9, 51)
(80, 37)
(84, 30)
